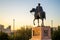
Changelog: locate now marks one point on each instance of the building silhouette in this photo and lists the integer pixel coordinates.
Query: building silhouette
(7, 30)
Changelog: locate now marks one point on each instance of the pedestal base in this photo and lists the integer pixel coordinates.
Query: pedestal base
(41, 33)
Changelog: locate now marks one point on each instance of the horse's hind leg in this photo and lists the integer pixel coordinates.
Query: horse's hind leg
(38, 22)
(34, 21)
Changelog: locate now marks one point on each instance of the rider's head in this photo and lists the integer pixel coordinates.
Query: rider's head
(38, 4)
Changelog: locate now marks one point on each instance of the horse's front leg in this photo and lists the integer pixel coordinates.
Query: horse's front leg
(34, 21)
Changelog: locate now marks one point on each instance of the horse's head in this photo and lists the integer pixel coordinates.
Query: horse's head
(33, 10)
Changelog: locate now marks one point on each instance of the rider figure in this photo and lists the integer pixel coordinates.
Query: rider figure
(39, 10)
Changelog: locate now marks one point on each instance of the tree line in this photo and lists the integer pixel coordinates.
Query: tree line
(22, 34)
(26, 34)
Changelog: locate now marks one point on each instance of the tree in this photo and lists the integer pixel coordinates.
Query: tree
(23, 34)
(4, 36)
(56, 34)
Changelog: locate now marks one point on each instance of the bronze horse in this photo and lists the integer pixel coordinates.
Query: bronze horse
(37, 16)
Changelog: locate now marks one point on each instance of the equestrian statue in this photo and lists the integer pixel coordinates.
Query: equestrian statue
(38, 14)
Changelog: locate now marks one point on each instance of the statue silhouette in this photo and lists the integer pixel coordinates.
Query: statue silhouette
(39, 14)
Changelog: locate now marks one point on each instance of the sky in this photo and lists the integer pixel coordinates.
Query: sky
(20, 11)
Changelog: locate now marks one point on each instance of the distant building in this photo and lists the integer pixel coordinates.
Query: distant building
(1, 27)
(7, 30)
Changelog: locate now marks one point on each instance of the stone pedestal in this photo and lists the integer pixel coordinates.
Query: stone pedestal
(41, 33)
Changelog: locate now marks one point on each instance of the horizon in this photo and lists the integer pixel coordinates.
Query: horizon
(20, 11)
